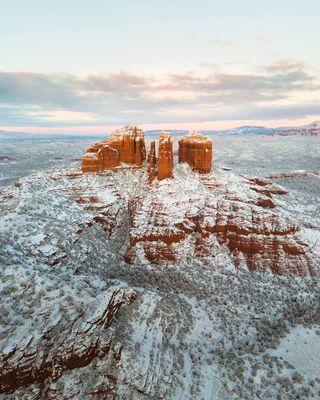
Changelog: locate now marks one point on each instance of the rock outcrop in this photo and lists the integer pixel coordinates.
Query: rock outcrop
(126, 145)
(52, 356)
(7, 158)
(196, 150)
(205, 216)
(201, 215)
(165, 156)
(152, 162)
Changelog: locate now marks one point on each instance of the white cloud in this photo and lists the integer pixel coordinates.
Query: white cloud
(286, 89)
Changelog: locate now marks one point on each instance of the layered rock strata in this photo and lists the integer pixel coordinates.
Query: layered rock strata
(206, 217)
(126, 145)
(196, 150)
(165, 156)
(45, 360)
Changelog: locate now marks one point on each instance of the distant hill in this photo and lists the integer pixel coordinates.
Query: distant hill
(244, 130)
(307, 130)
(312, 129)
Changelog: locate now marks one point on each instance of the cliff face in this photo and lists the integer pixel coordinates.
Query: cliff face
(196, 150)
(165, 156)
(126, 145)
(76, 348)
(152, 161)
(100, 156)
(204, 215)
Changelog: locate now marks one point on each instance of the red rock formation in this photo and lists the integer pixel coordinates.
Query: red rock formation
(165, 156)
(108, 157)
(126, 145)
(6, 158)
(196, 150)
(189, 224)
(104, 213)
(293, 174)
(56, 355)
(152, 162)
(105, 157)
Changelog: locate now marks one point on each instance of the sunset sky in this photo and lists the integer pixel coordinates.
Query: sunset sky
(82, 66)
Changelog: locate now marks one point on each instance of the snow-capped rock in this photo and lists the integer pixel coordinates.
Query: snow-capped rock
(78, 322)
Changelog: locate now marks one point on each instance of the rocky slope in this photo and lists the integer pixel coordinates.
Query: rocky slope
(196, 215)
(79, 322)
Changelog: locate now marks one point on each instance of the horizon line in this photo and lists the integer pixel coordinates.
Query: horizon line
(200, 126)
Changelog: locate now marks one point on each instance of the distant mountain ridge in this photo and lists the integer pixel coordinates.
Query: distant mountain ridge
(312, 129)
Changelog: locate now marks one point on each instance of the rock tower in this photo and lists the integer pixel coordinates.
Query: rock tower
(152, 162)
(165, 156)
(196, 150)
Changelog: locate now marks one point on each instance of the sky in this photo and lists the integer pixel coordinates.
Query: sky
(79, 66)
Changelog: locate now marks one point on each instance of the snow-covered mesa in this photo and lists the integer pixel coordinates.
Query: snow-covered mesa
(229, 309)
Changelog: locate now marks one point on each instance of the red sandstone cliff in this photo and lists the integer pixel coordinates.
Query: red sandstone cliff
(50, 357)
(126, 145)
(172, 222)
(165, 156)
(152, 161)
(196, 150)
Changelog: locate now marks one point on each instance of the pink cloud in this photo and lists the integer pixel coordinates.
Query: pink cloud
(285, 89)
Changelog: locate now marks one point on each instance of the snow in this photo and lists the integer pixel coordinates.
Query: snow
(301, 348)
(197, 329)
(37, 239)
(313, 128)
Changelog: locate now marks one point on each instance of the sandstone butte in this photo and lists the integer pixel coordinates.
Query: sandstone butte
(126, 145)
(165, 156)
(196, 150)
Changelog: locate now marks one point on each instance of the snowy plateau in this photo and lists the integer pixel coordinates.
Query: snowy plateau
(229, 310)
